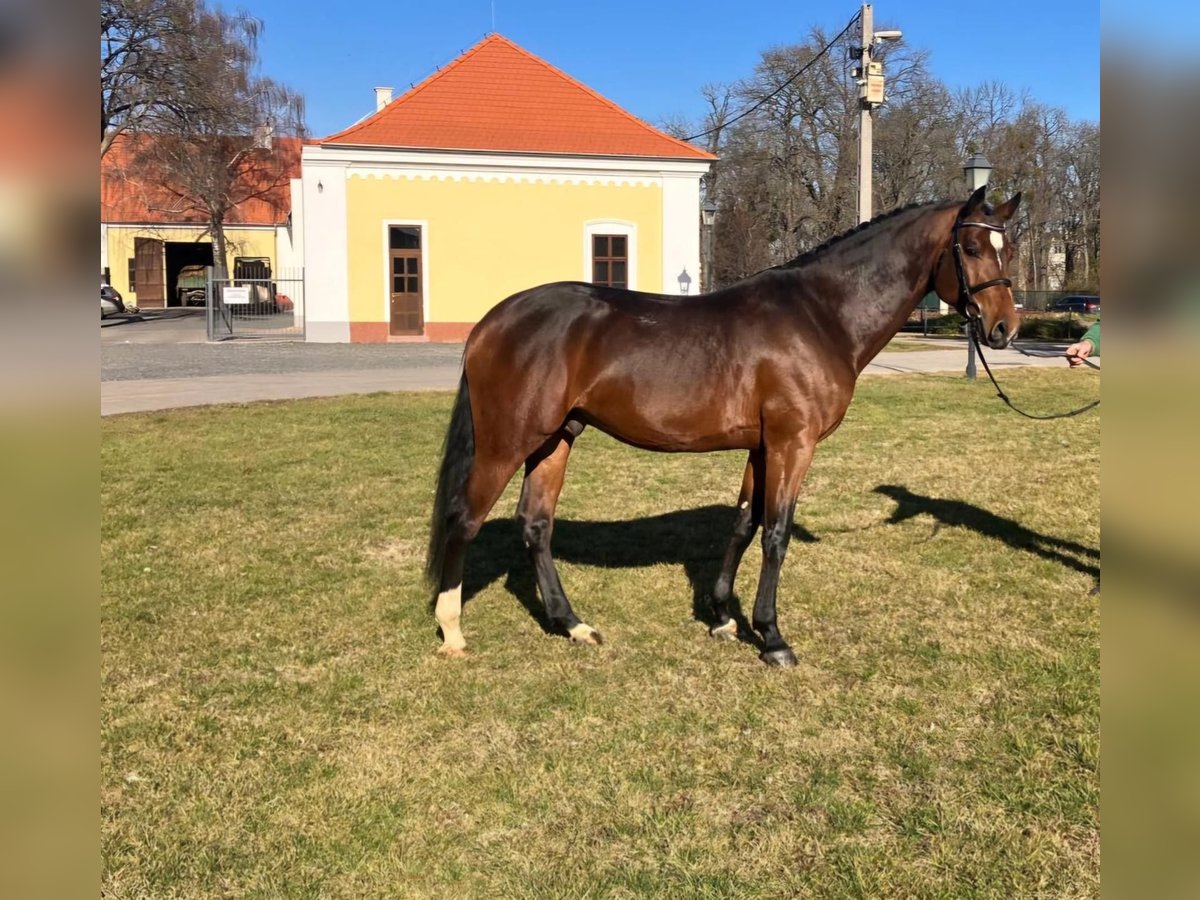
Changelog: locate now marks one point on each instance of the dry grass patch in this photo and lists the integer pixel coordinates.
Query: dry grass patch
(275, 722)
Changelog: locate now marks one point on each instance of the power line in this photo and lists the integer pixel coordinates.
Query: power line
(775, 93)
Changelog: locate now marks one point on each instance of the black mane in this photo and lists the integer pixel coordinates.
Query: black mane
(821, 249)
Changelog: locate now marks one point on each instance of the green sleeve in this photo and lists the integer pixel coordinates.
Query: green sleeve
(1092, 336)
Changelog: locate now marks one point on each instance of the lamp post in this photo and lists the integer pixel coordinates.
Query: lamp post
(708, 215)
(685, 281)
(977, 170)
(869, 75)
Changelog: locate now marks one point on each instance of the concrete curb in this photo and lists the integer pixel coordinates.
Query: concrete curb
(148, 395)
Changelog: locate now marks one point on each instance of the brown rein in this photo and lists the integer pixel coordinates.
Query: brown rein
(1003, 396)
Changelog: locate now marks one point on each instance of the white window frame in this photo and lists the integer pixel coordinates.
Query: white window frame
(621, 227)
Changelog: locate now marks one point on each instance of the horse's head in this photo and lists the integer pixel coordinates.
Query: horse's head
(972, 272)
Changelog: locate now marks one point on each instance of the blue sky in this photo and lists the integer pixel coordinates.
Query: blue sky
(653, 57)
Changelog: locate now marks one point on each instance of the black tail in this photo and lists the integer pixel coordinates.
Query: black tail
(450, 504)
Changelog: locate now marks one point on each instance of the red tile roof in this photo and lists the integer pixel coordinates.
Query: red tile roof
(130, 194)
(498, 96)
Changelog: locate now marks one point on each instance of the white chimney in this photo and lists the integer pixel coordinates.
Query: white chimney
(383, 96)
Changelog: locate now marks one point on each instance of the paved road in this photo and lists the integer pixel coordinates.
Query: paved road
(139, 362)
(160, 326)
(142, 373)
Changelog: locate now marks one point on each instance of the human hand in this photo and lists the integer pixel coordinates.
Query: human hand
(1077, 353)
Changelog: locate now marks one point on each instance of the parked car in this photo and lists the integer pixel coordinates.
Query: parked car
(191, 285)
(111, 301)
(254, 272)
(1079, 303)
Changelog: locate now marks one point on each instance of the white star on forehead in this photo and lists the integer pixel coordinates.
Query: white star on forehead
(997, 240)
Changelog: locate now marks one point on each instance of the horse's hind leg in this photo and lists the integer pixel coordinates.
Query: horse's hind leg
(489, 476)
(749, 517)
(544, 473)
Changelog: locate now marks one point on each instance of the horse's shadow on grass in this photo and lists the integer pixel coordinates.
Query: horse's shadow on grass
(693, 538)
(696, 539)
(966, 515)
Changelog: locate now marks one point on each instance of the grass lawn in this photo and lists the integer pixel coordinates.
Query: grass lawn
(275, 722)
(901, 345)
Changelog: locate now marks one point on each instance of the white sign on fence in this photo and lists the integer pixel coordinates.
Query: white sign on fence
(236, 296)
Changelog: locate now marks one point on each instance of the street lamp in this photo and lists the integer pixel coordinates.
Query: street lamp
(977, 170)
(870, 96)
(708, 215)
(685, 281)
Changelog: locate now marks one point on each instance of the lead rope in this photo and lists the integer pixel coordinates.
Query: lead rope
(1003, 396)
(1046, 354)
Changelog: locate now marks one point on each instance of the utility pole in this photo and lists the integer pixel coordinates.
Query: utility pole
(869, 75)
(865, 113)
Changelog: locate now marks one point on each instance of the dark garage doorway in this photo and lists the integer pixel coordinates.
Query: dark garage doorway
(180, 254)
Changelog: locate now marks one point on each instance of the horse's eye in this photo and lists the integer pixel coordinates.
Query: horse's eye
(971, 251)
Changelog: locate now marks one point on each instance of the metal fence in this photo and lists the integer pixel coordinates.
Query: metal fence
(258, 304)
(1041, 301)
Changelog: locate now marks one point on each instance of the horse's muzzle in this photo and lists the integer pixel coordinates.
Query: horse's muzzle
(1000, 336)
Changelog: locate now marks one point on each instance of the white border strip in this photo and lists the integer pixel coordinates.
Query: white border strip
(483, 162)
(530, 177)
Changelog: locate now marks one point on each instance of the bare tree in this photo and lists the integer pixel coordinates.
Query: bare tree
(144, 62)
(1078, 194)
(787, 141)
(212, 148)
(916, 155)
(786, 179)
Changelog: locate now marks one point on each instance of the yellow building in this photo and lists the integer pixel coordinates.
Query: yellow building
(497, 173)
(148, 236)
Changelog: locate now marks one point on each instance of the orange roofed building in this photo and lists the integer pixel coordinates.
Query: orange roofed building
(148, 235)
(497, 173)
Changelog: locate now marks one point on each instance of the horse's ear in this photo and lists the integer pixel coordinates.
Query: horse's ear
(974, 202)
(1008, 208)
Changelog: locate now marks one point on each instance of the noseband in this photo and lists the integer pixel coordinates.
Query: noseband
(967, 292)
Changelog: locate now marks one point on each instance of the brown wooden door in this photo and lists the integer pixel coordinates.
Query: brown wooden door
(150, 284)
(404, 275)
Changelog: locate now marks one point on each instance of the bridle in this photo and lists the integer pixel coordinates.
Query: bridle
(967, 292)
(968, 308)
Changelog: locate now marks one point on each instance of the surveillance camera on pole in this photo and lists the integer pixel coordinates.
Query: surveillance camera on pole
(893, 34)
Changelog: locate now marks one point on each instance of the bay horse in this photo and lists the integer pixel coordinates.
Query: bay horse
(767, 365)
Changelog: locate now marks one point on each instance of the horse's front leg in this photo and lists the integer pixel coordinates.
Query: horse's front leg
(787, 463)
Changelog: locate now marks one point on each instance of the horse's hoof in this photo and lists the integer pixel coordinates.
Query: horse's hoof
(585, 634)
(784, 658)
(448, 652)
(726, 632)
